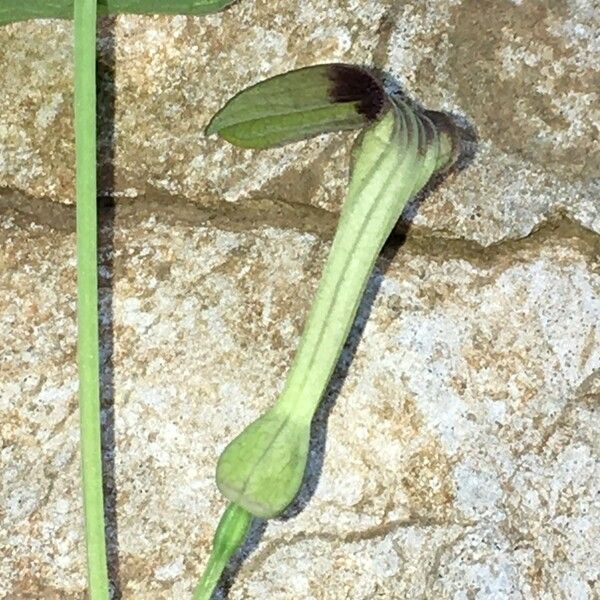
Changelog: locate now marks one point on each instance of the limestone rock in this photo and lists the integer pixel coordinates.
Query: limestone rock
(523, 73)
(461, 428)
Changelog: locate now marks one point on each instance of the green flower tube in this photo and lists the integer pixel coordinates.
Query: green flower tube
(261, 470)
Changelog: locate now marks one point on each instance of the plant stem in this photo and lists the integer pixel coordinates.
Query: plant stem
(87, 295)
(230, 535)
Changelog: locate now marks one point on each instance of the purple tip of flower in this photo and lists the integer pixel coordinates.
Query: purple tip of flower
(355, 84)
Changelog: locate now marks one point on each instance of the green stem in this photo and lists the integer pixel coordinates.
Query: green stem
(230, 535)
(87, 295)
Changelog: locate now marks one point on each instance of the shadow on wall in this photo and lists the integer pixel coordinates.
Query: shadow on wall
(105, 80)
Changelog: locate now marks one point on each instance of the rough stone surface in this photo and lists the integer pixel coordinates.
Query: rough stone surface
(524, 73)
(461, 428)
(461, 441)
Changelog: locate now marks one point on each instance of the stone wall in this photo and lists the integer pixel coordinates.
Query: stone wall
(461, 428)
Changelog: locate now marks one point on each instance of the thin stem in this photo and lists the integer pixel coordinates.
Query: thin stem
(87, 295)
(230, 535)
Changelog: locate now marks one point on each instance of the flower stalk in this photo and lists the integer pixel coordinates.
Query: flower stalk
(87, 297)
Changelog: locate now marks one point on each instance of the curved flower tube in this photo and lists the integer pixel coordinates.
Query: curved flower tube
(261, 470)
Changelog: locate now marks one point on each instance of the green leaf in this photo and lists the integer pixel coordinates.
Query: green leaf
(301, 104)
(22, 10)
(163, 7)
